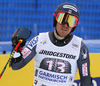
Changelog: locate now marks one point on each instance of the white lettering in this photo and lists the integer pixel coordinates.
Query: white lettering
(94, 82)
(84, 69)
(75, 84)
(26, 52)
(70, 7)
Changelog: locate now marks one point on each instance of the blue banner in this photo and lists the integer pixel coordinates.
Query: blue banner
(95, 82)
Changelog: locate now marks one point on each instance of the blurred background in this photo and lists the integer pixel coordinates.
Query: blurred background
(37, 15)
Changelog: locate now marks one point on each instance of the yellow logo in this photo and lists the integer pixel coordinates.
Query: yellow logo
(43, 42)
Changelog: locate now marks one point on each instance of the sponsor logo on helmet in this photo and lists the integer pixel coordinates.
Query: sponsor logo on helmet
(70, 7)
(69, 11)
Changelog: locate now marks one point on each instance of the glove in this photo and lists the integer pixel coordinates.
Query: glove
(22, 34)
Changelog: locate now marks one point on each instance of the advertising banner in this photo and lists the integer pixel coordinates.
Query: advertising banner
(95, 82)
(25, 76)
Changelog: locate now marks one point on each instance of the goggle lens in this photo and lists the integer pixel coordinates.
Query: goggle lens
(64, 17)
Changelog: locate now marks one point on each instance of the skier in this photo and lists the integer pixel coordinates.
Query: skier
(57, 54)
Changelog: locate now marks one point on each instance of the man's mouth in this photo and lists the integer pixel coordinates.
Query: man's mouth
(64, 29)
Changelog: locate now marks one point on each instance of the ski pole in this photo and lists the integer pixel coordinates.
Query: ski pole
(11, 55)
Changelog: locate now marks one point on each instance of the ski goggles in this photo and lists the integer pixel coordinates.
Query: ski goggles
(63, 18)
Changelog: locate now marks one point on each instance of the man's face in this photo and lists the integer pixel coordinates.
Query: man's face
(63, 30)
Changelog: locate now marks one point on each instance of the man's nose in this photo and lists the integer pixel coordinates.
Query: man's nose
(65, 25)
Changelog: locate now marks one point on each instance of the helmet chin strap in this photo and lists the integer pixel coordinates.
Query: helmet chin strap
(58, 36)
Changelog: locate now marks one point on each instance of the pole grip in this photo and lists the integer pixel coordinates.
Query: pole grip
(20, 41)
